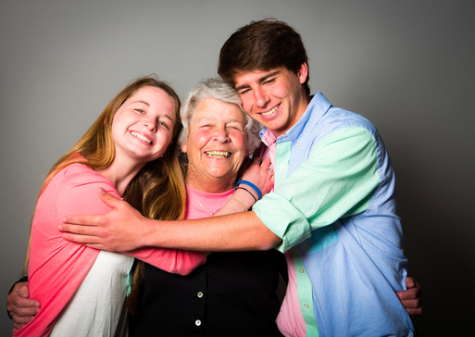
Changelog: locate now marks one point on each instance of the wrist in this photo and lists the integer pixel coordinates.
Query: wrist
(247, 199)
(145, 237)
(249, 188)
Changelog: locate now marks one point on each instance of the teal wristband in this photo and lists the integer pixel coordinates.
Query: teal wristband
(248, 183)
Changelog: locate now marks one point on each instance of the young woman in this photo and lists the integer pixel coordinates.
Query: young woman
(131, 145)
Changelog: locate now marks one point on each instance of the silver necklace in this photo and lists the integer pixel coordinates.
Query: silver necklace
(207, 210)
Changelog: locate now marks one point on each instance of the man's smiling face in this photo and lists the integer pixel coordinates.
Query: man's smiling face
(275, 98)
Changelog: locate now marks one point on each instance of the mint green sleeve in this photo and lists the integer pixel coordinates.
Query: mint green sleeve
(337, 180)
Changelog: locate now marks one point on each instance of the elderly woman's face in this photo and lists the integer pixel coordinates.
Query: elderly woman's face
(217, 142)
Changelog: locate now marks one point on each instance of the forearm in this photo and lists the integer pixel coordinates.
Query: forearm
(235, 232)
(173, 261)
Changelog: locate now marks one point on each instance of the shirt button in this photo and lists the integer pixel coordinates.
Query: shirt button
(197, 322)
(306, 306)
(199, 294)
(301, 270)
(281, 166)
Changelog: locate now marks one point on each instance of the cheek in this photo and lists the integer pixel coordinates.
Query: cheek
(196, 141)
(200, 138)
(246, 102)
(279, 91)
(240, 141)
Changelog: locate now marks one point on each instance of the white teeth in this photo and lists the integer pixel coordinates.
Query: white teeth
(269, 112)
(139, 136)
(218, 154)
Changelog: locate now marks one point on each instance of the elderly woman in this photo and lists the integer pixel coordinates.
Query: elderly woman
(233, 294)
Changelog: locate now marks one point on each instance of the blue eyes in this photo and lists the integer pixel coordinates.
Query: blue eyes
(140, 111)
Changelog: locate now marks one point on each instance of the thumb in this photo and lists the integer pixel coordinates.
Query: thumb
(410, 282)
(24, 292)
(108, 198)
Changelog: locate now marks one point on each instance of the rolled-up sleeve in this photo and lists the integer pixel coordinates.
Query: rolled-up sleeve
(336, 180)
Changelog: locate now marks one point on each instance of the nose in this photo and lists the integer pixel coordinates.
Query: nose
(260, 97)
(151, 123)
(221, 134)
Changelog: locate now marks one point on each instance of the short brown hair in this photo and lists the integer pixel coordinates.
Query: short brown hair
(263, 45)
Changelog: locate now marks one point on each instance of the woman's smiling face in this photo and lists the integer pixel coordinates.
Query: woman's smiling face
(142, 127)
(217, 144)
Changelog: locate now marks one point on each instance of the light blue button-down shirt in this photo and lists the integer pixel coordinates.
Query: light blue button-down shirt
(334, 205)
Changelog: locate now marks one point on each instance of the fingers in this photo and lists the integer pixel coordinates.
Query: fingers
(410, 282)
(411, 299)
(414, 313)
(408, 294)
(16, 326)
(20, 307)
(86, 240)
(87, 233)
(23, 290)
(413, 292)
(265, 164)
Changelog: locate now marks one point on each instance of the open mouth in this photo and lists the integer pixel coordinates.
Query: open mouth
(218, 154)
(139, 136)
(270, 112)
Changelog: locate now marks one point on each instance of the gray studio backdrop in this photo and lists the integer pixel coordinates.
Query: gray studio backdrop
(406, 65)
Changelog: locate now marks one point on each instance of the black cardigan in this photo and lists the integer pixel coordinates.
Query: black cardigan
(233, 294)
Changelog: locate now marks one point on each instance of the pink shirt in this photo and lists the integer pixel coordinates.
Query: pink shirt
(290, 320)
(57, 267)
(200, 204)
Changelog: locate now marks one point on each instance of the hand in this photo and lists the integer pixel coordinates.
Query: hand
(119, 230)
(260, 174)
(411, 298)
(21, 309)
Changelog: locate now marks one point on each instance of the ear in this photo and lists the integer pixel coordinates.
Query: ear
(302, 73)
(183, 148)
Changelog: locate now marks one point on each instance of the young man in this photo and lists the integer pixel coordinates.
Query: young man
(333, 211)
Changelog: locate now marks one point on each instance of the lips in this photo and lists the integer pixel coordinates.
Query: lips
(270, 112)
(218, 154)
(141, 137)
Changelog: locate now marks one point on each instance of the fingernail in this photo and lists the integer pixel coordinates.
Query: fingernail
(101, 190)
(65, 220)
(60, 228)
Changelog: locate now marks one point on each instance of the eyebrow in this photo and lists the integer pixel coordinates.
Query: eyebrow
(148, 104)
(262, 79)
(168, 118)
(211, 119)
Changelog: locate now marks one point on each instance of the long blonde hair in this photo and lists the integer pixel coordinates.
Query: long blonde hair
(157, 191)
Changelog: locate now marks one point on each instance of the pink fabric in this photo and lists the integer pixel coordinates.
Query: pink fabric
(290, 320)
(210, 202)
(57, 267)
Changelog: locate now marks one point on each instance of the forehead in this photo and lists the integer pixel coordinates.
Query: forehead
(153, 96)
(219, 111)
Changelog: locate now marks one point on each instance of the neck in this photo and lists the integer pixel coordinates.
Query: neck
(210, 185)
(120, 175)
